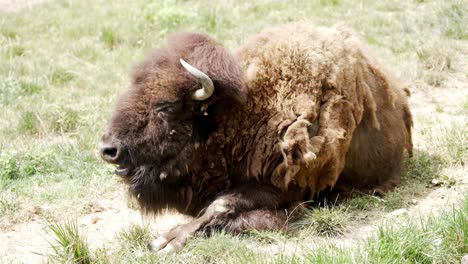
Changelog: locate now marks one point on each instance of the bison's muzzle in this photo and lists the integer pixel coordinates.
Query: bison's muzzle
(113, 151)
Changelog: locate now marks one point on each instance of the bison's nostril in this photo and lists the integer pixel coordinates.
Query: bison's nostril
(110, 153)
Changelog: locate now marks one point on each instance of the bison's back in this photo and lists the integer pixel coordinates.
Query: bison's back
(327, 97)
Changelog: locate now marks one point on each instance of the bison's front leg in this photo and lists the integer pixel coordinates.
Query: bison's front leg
(248, 207)
(175, 239)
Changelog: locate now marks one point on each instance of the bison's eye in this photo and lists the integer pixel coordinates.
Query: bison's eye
(166, 109)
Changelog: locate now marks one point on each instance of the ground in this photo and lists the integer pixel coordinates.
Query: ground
(64, 63)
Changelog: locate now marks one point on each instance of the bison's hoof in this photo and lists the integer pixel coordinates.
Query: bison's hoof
(170, 242)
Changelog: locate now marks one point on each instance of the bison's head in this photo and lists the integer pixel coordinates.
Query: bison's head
(174, 104)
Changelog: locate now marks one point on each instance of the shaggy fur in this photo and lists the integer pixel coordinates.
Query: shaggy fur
(297, 111)
(333, 112)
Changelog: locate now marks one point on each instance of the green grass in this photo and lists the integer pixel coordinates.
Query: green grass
(430, 239)
(393, 200)
(60, 77)
(30, 88)
(65, 120)
(62, 69)
(440, 239)
(324, 221)
(68, 245)
(29, 123)
(135, 237)
(364, 202)
(109, 37)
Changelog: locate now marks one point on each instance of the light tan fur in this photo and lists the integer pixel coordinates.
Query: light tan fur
(327, 97)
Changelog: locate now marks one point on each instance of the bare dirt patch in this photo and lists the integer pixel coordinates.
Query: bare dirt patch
(28, 242)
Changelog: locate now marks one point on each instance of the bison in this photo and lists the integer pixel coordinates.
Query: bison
(239, 140)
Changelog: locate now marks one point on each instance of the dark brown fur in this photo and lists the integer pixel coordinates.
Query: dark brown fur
(290, 117)
(146, 133)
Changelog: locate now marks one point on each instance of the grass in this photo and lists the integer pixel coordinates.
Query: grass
(30, 88)
(8, 203)
(440, 239)
(60, 77)
(430, 239)
(62, 69)
(364, 202)
(69, 246)
(135, 236)
(28, 123)
(325, 221)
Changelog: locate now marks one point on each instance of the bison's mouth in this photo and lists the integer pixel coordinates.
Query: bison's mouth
(123, 171)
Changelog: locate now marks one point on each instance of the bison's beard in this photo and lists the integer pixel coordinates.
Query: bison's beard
(155, 191)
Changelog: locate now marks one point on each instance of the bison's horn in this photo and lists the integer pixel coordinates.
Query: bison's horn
(207, 84)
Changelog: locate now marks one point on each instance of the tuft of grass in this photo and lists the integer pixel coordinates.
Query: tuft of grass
(29, 123)
(30, 88)
(434, 59)
(109, 37)
(65, 120)
(32, 163)
(8, 33)
(393, 200)
(324, 221)
(135, 236)
(68, 246)
(15, 51)
(60, 77)
(364, 202)
(9, 168)
(422, 167)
